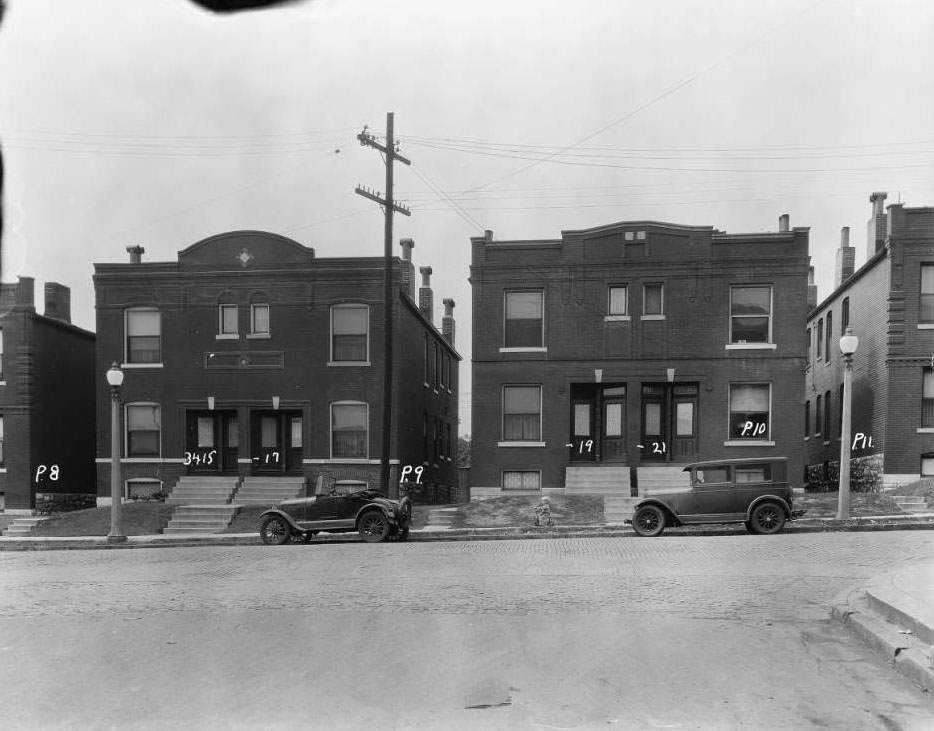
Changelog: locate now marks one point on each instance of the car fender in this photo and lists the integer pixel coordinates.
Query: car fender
(281, 514)
(387, 511)
(769, 499)
(659, 504)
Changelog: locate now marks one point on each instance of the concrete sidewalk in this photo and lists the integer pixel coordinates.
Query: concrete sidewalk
(894, 614)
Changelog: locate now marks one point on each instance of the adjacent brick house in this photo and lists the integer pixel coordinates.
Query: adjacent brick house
(889, 304)
(251, 356)
(46, 403)
(634, 345)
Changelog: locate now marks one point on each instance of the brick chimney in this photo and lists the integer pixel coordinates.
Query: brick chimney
(136, 254)
(58, 302)
(875, 229)
(426, 298)
(447, 321)
(20, 295)
(812, 289)
(784, 222)
(846, 259)
(408, 268)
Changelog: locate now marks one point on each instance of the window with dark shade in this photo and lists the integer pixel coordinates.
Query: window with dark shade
(827, 413)
(829, 337)
(807, 418)
(349, 431)
(818, 409)
(750, 314)
(844, 315)
(653, 299)
(522, 413)
(820, 339)
(749, 411)
(524, 320)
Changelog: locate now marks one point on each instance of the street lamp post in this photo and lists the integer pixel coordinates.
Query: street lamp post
(115, 379)
(848, 344)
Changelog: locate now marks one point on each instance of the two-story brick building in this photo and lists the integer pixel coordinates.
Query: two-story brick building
(46, 403)
(251, 357)
(634, 345)
(889, 305)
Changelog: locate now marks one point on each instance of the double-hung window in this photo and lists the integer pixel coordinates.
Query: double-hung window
(818, 410)
(524, 320)
(1, 442)
(144, 429)
(749, 410)
(618, 305)
(522, 413)
(259, 319)
(828, 333)
(143, 335)
(349, 437)
(349, 333)
(828, 415)
(807, 418)
(926, 303)
(653, 299)
(820, 339)
(522, 480)
(751, 314)
(927, 398)
(1, 354)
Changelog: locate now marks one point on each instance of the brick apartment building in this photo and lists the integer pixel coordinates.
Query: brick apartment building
(634, 345)
(250, 357)
(46, 403)
(889, 304)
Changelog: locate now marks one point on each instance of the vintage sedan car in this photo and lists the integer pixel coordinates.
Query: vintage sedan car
(368, 512)
(752, 491)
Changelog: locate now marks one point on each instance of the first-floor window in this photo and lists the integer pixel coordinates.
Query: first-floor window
(349, 430)
(927, 465)
(807, 418)
(749, 410)
(522, 480)
(1, 442)
(927, 398)
(144, 427)
(817, 414)
(827, 415)
(522, 413)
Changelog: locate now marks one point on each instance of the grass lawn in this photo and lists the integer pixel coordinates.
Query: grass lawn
(519, 510)
(137, 519)
(924, 487)
(824, 504)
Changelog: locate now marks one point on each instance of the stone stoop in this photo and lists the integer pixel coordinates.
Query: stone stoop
(911, 503)
(605, 479)
(441, 516)
(616, 509)
(257, 490)
(203, 490)
(188, 519)
(23, 526)
(659, 477)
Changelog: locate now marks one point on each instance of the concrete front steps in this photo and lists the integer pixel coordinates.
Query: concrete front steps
(596, 479)
(911, 503)
(188, 519)
(441, 517)
(203, 490)
(257, 490)
(617, 508)
(23, 526)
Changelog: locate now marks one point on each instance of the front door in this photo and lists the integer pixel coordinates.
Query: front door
(654, 423)
(614, 424)
(211, 442)
(276, 442)
(684, 419)
(582, 429)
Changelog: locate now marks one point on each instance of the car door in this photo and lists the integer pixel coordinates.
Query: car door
(712, 495)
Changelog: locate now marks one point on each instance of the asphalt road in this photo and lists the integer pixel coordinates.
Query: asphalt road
(716, 632)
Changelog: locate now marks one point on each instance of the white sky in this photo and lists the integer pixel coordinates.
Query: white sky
(153, 122)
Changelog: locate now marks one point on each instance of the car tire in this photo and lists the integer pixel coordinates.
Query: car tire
(649, 521)
(373, 526)
(403, 534)
(301, 537)
(275, 530)
(767, 519)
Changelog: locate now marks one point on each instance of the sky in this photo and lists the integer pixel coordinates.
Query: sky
(153, 122)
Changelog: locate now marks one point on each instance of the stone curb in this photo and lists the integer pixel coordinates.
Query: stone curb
(852, 610)
(812, 525)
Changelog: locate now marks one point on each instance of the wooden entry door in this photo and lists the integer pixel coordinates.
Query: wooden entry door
(211, 440)
(276, 442)
(655, 423)
(614, 424)
(583, 441)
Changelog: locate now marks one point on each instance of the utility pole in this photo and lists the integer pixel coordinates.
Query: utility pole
(389, 207)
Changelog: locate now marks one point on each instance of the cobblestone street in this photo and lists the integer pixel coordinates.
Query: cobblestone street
(677, 632)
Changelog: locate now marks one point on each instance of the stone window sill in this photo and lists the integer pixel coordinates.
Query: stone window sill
(520, 444)
(749, 443)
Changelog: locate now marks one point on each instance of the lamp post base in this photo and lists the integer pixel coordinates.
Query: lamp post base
(116, 539)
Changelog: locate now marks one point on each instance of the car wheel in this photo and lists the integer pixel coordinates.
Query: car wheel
(373, 526)
(301, 537)
(649, 521)
(748, 526)
(767, 518)
(402, 534)
(274, 531)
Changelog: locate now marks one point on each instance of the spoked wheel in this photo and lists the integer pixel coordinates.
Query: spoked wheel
(767, 518)
(274, 531)
(374, 527)
(649, 521)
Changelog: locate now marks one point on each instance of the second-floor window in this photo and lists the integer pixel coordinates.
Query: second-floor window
(927, 398)
(750, 314)
(807, 418)
(926, 305)
(524, 320)
(1, 442)
(828, 333)
(349, 328)
(143, 335)
(259, 319)
(1, 354)
(227, 320)
(820, 339)
(807, 356)
(619, 300)
(844, 315)
(653, 299)
(522, 413)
